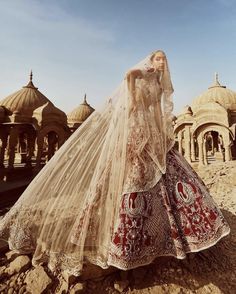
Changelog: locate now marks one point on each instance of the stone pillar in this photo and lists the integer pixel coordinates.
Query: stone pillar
(39, 150)
(12, 146)
(227, 147)
(205, 162)
(200, 151)
(193, 151)
(30, 148)
(22, 145)
(52, 141)
(3, 148)
(61, 139)
(228, 156)
(187, 140)
(180, 143)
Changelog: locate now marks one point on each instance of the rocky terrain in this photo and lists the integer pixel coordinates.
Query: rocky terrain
(210, 271)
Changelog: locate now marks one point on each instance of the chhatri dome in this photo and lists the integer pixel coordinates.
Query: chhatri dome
(205, 131)
(216, 94)
(31, 129)
(81, 113)
(26, 100)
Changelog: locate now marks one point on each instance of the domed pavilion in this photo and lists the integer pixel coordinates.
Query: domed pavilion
(77, 116)
(205, 131)
(31, 127)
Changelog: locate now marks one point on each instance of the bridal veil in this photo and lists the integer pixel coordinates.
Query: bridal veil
(68, 213)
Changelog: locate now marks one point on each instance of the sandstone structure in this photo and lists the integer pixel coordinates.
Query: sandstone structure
(205, 130)
(79, 115)
(29, 121)
(32, 128)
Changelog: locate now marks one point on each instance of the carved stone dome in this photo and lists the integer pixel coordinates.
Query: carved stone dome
(81, 113)
(216, 93)
(26, 100)
(48, 112)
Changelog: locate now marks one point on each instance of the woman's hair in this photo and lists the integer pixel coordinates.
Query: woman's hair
(154, 53)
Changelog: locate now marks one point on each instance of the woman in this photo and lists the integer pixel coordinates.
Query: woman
(117, 193)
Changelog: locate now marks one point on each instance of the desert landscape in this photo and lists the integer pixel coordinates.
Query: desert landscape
(209, 271)
(107, 86)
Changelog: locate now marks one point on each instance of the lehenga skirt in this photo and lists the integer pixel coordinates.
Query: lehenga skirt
(175, 217)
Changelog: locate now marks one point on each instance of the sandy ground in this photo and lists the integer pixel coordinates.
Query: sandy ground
(210, 271)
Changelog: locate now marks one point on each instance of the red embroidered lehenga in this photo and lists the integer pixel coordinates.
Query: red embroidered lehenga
(175, 217)
(117, 193)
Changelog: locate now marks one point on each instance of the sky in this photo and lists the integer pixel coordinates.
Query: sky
(86, 46)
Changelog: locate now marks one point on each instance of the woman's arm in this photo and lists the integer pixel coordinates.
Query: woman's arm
(131, 76)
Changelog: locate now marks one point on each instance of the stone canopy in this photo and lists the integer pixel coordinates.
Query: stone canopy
(77, 116)
(32, 128)
(205, 131)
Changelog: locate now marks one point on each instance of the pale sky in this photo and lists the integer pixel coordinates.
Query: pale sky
(84, 46)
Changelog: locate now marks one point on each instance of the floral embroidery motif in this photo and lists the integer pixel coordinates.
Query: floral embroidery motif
(131, 234)
(175, 217)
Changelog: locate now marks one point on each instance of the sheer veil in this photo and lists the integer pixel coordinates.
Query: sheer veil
(68, 213)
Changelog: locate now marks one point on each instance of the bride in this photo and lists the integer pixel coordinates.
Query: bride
(117, 192)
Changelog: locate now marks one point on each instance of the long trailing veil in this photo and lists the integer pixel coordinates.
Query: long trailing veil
(69, 211)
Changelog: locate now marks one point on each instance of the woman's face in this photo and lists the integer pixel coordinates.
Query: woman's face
(159, 61)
